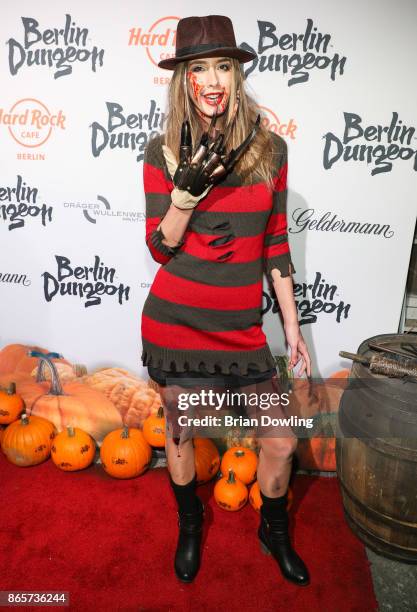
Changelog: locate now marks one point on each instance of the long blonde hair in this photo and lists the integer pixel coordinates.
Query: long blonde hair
(258, 161)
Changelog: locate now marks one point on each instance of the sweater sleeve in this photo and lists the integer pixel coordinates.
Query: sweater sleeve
(157, 189)
(276, 248)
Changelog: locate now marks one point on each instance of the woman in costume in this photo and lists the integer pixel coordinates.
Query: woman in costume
(215, 189)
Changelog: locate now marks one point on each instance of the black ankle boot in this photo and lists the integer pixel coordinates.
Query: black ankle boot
(275, 540)
(187, 555)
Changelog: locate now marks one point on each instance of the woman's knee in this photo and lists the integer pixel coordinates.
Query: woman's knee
(279, 448)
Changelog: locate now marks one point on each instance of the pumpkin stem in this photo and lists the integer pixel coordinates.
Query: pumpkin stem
(239, 453)
(231, 479)
(24, 418)
(70, 430)
(45, 358)
(160, 413)
(11, 389)
(125, 432)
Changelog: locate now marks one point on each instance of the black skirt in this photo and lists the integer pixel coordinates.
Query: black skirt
(234, 379)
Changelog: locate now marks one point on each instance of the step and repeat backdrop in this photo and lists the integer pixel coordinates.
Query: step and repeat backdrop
(81, 95)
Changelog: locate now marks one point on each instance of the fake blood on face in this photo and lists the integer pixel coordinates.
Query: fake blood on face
(200, 99)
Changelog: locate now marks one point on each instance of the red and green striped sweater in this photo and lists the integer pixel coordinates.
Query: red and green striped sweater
(204, 305)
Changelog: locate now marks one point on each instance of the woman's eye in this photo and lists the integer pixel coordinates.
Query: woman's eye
(196, 68)
(225, 66)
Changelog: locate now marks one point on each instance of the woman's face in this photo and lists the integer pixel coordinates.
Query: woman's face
(209, 83)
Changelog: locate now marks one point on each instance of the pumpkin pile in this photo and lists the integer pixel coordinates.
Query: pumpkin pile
(238, 467)
(102, 401)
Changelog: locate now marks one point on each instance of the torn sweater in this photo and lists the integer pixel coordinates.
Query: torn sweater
(204, 305)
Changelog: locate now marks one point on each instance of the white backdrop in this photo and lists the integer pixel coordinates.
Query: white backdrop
(72, 135)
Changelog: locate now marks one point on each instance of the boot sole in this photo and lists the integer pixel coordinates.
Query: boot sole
(266, 551)
(184, 580)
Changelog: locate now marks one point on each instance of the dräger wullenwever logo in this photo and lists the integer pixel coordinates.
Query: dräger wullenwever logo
(306, 219)
(373, 144)
(126, 131)
(84, 282)
(272, 123)
(30, 123)
(158, 42)
(93, 210)
(19, 202)
(316, 298)
(56, 48)
(293, 54)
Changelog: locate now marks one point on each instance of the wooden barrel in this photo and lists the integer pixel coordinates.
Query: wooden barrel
(376, 456)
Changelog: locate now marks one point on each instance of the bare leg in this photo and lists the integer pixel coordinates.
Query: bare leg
(274, 466)
(180, 458)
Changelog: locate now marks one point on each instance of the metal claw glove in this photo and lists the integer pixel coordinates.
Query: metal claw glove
(196, 174)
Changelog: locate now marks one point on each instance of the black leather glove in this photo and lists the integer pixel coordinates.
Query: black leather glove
(208, 165)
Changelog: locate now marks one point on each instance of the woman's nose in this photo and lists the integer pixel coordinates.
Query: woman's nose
(212, 77)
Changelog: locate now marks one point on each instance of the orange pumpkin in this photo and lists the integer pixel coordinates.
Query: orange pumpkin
(28, 440)
(154, 428)
(256, 499)
(318, 450)
(1, 433)
(11, 404)
(230, 493)
(243, 461)
(206, 459)
(131, 395)
(125, 453)
(73, 449)
(70, 403)
(15, 358)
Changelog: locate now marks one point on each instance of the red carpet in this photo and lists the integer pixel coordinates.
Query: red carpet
(110, 543)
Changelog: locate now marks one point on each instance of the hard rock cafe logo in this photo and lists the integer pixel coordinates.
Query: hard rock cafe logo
(87, 283)
(124, 130)
(158, 41)
(20, 202)
(378, 145)
(313, 300)
(293, 54)
(57, 48)
(271, 122)
(30, 122)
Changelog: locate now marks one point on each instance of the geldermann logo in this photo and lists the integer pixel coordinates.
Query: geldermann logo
(158, 40)
(87, 283)
(294, 54)
(375, 145)
(57, 48)
(313, 300)
(30, 123)
(271, 122)
(126, 130)
(92, 211)
(306, 219)
(20, 201)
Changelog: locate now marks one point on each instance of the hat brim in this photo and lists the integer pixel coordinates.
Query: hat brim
(235, 52)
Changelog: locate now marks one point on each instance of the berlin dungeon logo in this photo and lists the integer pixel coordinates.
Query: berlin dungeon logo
(83, 282)
(126, 131)
(21, 202)
(298, 54)
(376, 145)
(56, 48)
(312, 300)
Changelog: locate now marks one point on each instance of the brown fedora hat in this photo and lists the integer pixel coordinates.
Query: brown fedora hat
(210, 36)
